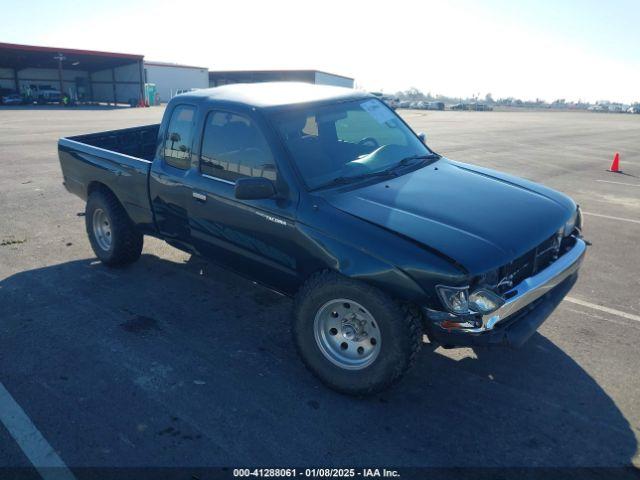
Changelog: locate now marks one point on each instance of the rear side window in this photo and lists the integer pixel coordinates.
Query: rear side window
(234, 147)
(177, 143)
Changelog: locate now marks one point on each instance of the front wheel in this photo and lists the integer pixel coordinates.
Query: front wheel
(114, 238)
(354, 337)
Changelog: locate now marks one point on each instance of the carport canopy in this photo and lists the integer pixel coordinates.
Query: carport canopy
(28, 56)
(120, 71)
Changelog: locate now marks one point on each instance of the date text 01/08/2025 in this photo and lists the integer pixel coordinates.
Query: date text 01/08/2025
(316, 473)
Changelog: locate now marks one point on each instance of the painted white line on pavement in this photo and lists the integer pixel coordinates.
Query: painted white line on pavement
(611, 218)
(43, 457)
(612, 311)
(620, 183)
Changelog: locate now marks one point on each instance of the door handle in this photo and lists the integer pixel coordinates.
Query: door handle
(199, 196)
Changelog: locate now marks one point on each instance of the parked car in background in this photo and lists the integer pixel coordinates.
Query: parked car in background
(48, 95)
(182, 91)
(436, 106)
(6, 91)
(12, 99)
(616, 108)
(476, 107)
(391, 101)
(634, 109)
(326, 194)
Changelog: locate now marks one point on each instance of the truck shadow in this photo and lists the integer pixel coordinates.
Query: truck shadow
(193, 349)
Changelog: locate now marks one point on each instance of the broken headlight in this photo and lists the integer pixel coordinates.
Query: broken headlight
(485, 301)
(454, 299)
(457, 300)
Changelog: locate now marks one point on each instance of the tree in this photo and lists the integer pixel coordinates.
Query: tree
(411, 94)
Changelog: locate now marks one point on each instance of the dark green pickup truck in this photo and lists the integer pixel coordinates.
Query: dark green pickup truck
(327, 195)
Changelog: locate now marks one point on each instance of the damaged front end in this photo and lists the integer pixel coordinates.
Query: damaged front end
(518, 296)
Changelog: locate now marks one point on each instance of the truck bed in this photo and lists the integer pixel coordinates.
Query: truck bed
(118, 159)
(138, 142)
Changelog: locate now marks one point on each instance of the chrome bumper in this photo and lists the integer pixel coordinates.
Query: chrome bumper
(538, 285)
(521, 295)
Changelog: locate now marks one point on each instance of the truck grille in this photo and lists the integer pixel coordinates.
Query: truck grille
(530, 263)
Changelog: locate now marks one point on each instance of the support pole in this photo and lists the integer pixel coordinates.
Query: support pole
(60, 78)
(113, 79)
(59, 57)
(91, 88)
(142, 93)
(15, 80)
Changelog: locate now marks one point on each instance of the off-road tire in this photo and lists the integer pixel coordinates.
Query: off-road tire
(400, 329)
(126, 240)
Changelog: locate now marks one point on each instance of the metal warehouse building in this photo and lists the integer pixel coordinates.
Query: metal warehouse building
(106, 77)
(170, 78)
(83, 74)
(310, 76)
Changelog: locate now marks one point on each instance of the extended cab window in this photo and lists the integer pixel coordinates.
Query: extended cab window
(177, 143)
(234, 147)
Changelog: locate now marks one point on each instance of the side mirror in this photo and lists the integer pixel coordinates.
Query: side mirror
(254, 188)
(423, 137)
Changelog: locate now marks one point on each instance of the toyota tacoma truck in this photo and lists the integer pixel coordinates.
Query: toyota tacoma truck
(326, 195)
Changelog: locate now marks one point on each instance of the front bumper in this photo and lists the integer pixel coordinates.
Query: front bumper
(528, 305)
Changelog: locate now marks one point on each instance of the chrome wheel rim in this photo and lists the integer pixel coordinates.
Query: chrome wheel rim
(102, 229)
(347, 334)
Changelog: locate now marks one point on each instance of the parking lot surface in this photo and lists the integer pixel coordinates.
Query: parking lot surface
(175, 362)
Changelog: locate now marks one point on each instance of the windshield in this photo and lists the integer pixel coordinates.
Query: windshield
(344, 142)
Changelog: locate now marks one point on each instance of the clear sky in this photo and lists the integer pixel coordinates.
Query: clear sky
(573, 49)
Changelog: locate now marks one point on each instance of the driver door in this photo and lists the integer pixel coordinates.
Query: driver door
(253, 237)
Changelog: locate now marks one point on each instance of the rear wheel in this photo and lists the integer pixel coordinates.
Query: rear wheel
(114, 238)
(354, 337)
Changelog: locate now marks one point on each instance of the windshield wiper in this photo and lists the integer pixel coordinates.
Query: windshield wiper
(387, 172)
(406, 161)
(346, 179)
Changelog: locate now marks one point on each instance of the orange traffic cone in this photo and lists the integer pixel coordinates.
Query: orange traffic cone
(615, 165)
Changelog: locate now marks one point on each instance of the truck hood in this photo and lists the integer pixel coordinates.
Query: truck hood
(480, 218)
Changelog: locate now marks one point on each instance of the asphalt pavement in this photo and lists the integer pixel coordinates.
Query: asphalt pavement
(175, 362)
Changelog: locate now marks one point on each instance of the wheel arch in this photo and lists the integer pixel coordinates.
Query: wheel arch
(96, 185)
(139, 217)
(353, 262)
